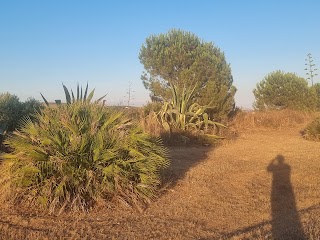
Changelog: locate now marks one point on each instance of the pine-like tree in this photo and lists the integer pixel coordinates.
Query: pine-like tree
(280, 90)
(181, 59)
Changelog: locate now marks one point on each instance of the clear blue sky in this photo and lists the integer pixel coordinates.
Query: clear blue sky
(45, 43)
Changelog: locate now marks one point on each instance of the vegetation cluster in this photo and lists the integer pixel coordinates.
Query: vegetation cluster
(75, 154)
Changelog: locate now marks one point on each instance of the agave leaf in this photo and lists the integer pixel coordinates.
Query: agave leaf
(166, 126)
(78, 92)
(66, 91)
(194, 107)
(192, 114)
(85, 93)
(191, 93)
(73, 99)
(175, 111)
(101, 98)
(205, 119)
(45, 100)
(201, 110)
(90, 96)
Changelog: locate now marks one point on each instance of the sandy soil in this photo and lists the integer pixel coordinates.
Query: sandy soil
(227, 192)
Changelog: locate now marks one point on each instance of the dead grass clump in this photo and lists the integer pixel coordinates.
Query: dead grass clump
(312, 131)
(275, 119)
(150, 124)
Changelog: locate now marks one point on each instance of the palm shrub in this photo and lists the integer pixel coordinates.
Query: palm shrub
(75, 154)
(312, 131)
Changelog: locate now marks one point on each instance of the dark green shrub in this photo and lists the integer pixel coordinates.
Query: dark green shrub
(10, 111)
(76, 154)
(30, 107)
(280, 90)
(312, 131)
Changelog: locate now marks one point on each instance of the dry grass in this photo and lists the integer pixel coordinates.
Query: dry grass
(211, 193)
(150, 123)
(271, 119)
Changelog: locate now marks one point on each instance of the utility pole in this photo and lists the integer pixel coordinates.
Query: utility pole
(310, 68)
(129, 94)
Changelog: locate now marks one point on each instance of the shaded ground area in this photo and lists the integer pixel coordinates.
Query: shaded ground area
(231, 192)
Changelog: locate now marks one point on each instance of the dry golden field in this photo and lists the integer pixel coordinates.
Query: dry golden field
(263, 185)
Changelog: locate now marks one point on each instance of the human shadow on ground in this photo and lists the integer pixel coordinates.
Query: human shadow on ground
(285, 217)
(285, 221)
(260, 227)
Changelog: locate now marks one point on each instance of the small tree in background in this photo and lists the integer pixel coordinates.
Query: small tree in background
(280, 90)
(180, 59)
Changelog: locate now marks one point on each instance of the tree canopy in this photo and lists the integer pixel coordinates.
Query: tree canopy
(280, 90)
(180, 59)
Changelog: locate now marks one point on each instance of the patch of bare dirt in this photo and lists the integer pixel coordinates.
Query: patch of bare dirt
(228, 192)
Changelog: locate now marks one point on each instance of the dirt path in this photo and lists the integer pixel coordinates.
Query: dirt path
(220, 193)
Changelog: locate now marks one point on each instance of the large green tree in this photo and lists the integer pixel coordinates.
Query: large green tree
(180, 59)
(316, 91)
(280, 90)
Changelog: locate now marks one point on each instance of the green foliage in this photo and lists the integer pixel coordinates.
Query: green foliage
(312, 131)
(81, 96)
(182, 113)
(75, 154)
(30, 107)
(315, 90)
(12, 110)
(279, 90)
(181, 59)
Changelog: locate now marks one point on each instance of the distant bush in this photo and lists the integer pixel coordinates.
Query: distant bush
(280, 90)
(312, 131)
(75, 154)
(12, 110)
(30, 107)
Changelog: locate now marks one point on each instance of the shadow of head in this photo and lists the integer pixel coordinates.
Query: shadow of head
(280, 159)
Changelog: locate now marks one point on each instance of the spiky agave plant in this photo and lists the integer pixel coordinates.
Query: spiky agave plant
(77, 153)
(183, 114)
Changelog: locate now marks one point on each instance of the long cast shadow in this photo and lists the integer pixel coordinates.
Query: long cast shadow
(237, 232)
(285, 217)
